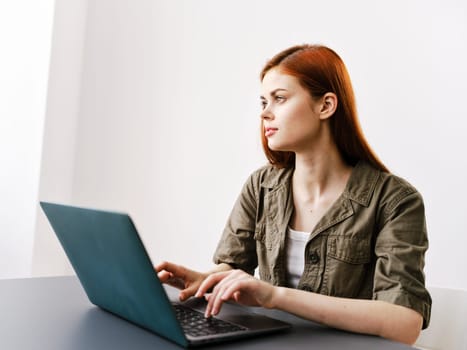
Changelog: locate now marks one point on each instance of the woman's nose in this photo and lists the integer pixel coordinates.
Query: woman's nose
(266, 114)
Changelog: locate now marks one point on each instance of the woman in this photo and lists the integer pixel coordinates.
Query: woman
(337, 239)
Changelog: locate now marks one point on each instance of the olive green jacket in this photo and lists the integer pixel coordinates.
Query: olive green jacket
(369, 245)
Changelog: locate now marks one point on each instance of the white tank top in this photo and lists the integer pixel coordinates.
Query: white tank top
(295, 243)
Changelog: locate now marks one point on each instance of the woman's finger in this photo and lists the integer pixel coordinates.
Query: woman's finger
(228, 291)
(215, 280)
(170, 279)
(164, 276)
(213, 303)
(188, 292)
(176, 270)
(215, 300)
(209, 282)
(234, 289)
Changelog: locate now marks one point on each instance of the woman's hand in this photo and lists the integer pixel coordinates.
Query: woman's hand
(235, 285)
(180, 277)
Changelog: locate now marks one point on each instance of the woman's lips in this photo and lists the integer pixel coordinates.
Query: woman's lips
(269, 131)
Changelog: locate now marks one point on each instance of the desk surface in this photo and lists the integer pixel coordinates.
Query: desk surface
(54, 313)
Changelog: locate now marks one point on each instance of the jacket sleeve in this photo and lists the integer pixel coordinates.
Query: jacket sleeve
(237, 246)
(400, 254)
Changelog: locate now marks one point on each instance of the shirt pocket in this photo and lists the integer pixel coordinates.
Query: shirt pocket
(347, 265)
(266, 236)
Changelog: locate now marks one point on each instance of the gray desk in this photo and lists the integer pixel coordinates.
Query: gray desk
(54, 314)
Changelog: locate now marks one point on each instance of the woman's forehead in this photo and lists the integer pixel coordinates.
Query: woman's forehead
(276, 79)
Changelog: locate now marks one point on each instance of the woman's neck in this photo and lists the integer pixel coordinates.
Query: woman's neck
(322, 173)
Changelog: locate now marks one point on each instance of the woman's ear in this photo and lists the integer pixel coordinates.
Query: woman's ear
(329, 105)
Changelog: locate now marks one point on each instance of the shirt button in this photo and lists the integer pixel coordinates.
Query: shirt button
(314, 258)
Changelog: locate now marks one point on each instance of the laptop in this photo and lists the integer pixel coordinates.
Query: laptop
(118, 276)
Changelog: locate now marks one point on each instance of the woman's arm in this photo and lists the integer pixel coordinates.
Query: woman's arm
(356, 315)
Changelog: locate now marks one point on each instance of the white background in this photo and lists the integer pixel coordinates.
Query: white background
(153, 109)
(25, 32)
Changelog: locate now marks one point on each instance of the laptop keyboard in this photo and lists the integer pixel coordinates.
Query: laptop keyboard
(195, 324)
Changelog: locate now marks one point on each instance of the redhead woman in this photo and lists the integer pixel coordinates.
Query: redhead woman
(336, 238)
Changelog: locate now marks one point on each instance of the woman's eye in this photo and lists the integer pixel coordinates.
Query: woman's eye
(280, 98)
(263, 104)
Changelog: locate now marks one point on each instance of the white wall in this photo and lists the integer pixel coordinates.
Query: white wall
(60, 131)
(168, 112)
(25, 36)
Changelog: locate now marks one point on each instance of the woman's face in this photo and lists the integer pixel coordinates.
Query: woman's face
(291, 118)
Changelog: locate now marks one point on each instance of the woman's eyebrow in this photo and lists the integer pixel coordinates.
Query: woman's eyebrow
(273, 92)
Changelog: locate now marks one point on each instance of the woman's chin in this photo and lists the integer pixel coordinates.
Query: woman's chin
(278, 147)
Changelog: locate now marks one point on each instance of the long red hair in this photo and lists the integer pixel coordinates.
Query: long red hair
(320, 70)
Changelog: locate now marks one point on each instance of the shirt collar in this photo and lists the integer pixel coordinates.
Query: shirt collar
(359, 188)
(361, 184)
(276, 177)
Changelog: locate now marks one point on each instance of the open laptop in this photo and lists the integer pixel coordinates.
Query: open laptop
(117, 275)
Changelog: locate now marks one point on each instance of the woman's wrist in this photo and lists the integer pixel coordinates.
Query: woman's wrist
(277, 295)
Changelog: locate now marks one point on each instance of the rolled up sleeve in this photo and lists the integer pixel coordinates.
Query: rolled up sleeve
(237, 245)
(400, 254)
